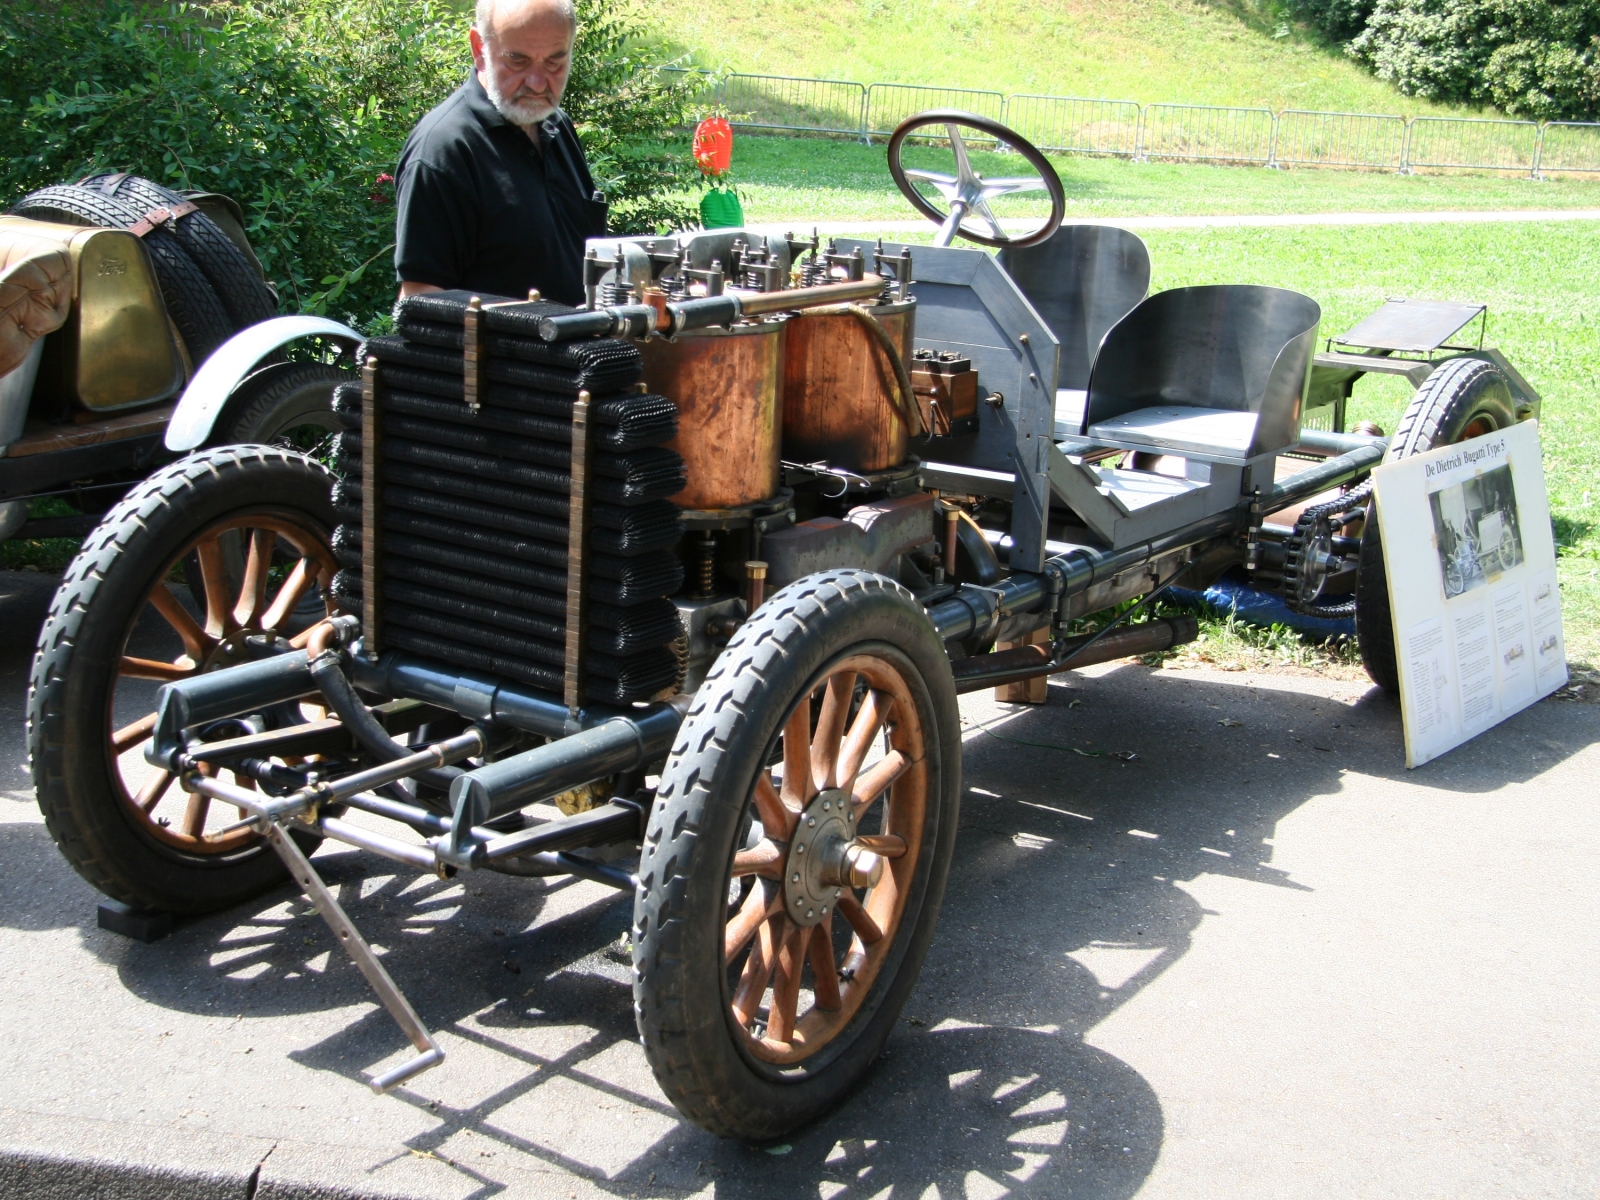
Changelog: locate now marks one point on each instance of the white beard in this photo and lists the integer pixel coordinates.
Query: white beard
(523, 110)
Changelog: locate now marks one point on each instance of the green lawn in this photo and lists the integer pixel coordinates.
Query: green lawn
(800, 179)
(1146, 50)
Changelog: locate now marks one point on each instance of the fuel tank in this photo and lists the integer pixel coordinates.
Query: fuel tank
(727, 386)
(839, 388)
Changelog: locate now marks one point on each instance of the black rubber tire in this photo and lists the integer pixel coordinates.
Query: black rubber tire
(241, 289)
(1464, 397)
(278, 400)
(191, 302)
(680, 1002)
(75, 665)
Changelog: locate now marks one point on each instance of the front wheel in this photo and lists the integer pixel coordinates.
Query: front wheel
(796, 856)
(120, 626)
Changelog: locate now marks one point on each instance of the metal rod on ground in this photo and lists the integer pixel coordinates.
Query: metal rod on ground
(429, 1053)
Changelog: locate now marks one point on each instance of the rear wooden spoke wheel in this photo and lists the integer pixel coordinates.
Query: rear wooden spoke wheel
(796, 855)
(250, 530)
(278, 561)
(1463, 398)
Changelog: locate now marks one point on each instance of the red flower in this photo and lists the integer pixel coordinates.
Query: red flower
(376, 195)
(713, 146)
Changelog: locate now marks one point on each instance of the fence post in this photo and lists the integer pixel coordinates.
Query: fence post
(1538, 153)
(1405, 149)
(1272, 144)
(1138, 135)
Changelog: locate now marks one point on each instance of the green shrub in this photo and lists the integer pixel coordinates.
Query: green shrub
(1334, 20)
(298, 109)
(1531, 58)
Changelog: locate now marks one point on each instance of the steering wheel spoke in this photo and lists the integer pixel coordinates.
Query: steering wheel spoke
(983, 210)
(967, 193)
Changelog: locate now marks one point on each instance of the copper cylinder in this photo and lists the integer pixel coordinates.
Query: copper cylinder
(725, 383)
(838, 389)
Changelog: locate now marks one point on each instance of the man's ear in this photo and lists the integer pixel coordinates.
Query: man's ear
(480, 53)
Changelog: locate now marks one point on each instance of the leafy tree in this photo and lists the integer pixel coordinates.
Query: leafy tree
(1335, 20)
(1531, 58)
(298, 109)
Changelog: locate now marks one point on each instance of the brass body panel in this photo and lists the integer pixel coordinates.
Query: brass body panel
(838, 389)
(726, 384)
(116, 350)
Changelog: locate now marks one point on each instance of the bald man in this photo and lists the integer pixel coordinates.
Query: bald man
(493, 192)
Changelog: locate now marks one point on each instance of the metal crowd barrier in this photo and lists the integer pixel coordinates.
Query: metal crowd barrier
(1192, 132)
(786, 102)
(1471, 143)
(1332, 139)
(1569, 146)
(1067, 124)
(1206, 132)
(890, 103)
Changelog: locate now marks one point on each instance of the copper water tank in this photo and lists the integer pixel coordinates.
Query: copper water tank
(838, 389)
(726, 384)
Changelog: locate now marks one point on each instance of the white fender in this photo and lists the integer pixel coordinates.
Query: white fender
(227, 367)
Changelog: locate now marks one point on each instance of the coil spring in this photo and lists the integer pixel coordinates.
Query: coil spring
(615, 293)
(813, 273)
(706, 566)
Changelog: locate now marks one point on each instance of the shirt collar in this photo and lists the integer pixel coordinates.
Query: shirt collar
(489, 116)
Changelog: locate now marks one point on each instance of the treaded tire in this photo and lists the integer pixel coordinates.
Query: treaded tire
(192, 303)
(75, 669)
(241, 289)
(1466, 397)
(680, 996)
(278, 400)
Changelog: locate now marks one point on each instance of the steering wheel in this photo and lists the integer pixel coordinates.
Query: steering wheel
(966, 193)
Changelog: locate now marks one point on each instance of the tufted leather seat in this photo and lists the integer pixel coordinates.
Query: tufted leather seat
(35, 285)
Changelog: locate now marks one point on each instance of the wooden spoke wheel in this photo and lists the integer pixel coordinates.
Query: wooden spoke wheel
(1465, 398)
(256, 573)
(254, 524)
(796, 855)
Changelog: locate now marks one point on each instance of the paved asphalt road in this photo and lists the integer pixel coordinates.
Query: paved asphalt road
(1259, 960)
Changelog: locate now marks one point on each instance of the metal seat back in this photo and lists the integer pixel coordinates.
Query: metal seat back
(1232, 347)
(1082, 280)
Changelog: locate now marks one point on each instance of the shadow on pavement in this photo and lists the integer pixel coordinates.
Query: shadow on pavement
(1065, 901)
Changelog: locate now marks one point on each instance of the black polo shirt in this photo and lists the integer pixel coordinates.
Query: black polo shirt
(481, 208)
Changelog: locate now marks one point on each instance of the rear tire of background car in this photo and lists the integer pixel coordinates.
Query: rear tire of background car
(1465, 398)
(285, 404)
(232, 276)
(120, 823)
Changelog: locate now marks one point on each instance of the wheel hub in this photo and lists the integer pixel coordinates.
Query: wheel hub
(824, 858)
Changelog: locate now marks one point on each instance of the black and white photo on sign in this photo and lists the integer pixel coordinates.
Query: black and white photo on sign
(1476, 530)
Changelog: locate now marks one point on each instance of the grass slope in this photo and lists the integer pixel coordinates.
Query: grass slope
(1145, 50)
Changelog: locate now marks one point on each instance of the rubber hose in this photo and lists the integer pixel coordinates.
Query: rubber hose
(363, 726)
(906, 401)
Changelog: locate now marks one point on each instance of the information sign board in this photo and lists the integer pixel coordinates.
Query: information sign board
(1471, 564)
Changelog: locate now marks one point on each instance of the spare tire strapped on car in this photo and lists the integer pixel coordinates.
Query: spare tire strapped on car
(201, 320)
(236, 281)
